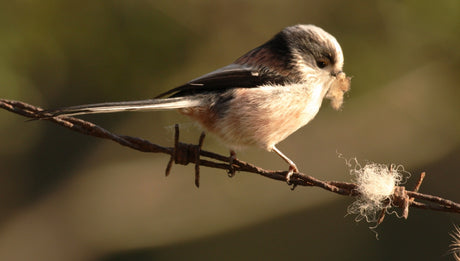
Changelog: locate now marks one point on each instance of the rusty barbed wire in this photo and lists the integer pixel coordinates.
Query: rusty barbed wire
(183, 153)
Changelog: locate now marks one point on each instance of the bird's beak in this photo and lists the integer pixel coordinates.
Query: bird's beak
(335, 73)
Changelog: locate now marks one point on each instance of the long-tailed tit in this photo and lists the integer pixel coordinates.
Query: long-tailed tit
(262, 97)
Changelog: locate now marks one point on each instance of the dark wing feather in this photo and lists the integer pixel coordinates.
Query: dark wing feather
(258, 67)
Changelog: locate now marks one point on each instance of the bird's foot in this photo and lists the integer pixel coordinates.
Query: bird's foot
(231, 168)
(292, 169)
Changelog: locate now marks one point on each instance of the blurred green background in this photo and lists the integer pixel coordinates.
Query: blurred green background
(65, 196)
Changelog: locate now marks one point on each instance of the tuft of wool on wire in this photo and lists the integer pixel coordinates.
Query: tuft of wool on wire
(376, 183)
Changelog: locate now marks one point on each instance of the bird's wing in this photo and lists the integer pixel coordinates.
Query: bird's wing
(258, 67)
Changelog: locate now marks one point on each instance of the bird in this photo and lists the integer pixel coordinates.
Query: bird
(259, 99)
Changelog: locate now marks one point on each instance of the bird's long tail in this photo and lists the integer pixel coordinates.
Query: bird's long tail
(142, 105)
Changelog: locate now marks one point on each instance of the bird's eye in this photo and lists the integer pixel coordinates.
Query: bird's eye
(322, 62)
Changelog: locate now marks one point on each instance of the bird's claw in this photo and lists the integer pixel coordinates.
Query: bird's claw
(231, 168)
(292, 170)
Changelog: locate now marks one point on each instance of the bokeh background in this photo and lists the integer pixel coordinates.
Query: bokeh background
(65, 196)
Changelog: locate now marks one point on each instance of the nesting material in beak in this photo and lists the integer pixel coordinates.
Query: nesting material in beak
(338, 88)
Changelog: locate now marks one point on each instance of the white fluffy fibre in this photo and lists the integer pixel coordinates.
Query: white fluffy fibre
(376, 183)
(455, 246)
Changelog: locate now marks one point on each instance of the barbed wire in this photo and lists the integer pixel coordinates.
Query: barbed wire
(184, 153)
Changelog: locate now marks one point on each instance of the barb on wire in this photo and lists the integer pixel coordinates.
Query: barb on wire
(183, 153)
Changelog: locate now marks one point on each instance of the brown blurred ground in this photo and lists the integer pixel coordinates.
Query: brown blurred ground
(65, 196)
